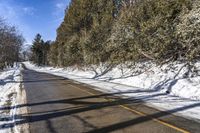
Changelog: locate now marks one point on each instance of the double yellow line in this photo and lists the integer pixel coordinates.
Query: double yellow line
(138, 113)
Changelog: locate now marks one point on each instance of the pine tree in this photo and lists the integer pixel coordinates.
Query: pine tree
(117, 31)
(81, 36)
(40, 50)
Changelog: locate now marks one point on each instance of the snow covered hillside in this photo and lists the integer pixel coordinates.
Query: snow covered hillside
(171, 87)
(10, 96)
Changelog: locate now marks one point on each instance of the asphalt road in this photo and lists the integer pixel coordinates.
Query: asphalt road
(60, 105)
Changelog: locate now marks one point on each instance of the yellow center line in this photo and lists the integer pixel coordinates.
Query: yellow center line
(139, 113)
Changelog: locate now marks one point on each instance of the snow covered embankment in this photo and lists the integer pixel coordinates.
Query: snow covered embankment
(10, 97)
(149, 84)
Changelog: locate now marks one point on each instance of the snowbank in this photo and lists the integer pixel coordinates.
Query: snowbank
(167, 87)
(9, 98)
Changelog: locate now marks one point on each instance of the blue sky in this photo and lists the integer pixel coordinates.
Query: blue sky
(34, 16)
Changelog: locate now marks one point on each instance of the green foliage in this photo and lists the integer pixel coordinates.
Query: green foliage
(80, 38)
(40, 51)
(117, 31)
(103, 19)
(147, 30)
(53, 54)
(188, 31)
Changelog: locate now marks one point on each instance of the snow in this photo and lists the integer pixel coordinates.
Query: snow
(9, 94)
(164, 87)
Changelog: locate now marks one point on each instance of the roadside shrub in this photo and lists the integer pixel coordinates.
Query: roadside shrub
(188, 33)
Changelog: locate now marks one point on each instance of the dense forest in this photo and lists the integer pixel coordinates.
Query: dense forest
(11, 42)
(119, 31)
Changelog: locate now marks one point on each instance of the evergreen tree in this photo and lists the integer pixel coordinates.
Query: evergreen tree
(86, 26)
(40, 50)
(117, 31)
(37, 50)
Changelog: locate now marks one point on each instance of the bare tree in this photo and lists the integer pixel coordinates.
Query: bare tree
(10, 44)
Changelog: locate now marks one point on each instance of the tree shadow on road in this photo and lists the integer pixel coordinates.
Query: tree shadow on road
(81, 106)
(77, 100)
